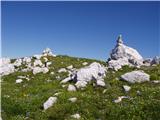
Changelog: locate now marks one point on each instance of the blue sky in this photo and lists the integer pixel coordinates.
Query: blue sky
(81, 29)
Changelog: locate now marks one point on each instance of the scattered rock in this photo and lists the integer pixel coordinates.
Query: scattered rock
(56, 94)
(26, 60)
(6, 69)
(156, 60)
(76, 116)
(49, 102)
(70, 67)
(101, 83)
(74, 99)
(52, 73)
(94, 71)
(62, 70)
(48, 64)
(71, 88)
(120, 99)
(85, 63)
(19, 80)
(155, 81)
(81, 84)
(18, 62)
(37, 56)
(126, 88)
(37, 63)
(66, 80)
(135, 77)
(39, 70)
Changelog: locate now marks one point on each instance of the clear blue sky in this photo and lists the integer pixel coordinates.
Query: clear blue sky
(82, 29)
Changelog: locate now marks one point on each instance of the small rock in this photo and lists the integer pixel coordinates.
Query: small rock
(76, 116)
(63, 86)
(70, 67)
(101, 83)
(66, 80)
(120, 99)
(139, 93)
(71, 88)
(52, 73)
(74, 99)
(126, 88)
(56, 94)
(62, 70)
(19, 80)
(155, 81)
(49, 102)
(81, 84)
(85, 63)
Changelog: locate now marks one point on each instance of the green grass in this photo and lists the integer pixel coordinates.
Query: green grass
(25, 101)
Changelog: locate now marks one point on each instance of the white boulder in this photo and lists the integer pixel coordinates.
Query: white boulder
(84, 63)
(101, 83)
(37, 63)
(120, 99)
(125, 56)
(81, 84)
(39, 70)
(126, 88)
(19, 80)
(26, 60)
(18, 62)
(135, 77)
(117, 64)
(74, 99)
(49, 103)
(6, 67)
(70, 67)
(48, 52)
(76, 116)
(71, 88)
(62, 70)
(155, 60)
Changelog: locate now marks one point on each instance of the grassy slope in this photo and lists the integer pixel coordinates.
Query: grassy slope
(27, 98)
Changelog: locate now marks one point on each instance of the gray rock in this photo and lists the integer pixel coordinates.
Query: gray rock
(135, 77)
(123, 55)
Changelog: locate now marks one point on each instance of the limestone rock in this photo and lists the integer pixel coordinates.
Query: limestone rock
(156, 60)
(126, 88)
(19, 80)
(39, 70)
(135, 77)
(6, 67)
(76, 116)
(71, 88)
(49, 102)
(123, 55)
(48, 52)
(74, 99)
(62, 70)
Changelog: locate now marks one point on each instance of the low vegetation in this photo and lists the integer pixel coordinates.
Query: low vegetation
(24, 101)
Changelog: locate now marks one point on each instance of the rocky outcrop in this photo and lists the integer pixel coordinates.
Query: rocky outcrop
(94, 71)
(48, 52)
(123, 55)
(135, 77)
(6, 67)
(155, 60)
